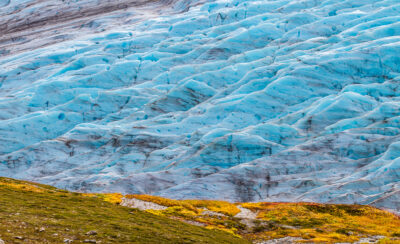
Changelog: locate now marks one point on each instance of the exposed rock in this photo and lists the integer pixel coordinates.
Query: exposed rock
(246, 213)
(194, 223)
(89, 241)
(285, 240)
(91, 233)
(371, 239)
(139, 204)
(212, 213)
(247, 217)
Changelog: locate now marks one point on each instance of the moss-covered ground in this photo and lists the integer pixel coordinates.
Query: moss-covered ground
(34, 213)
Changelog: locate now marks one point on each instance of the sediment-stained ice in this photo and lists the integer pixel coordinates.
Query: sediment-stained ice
(242, 100)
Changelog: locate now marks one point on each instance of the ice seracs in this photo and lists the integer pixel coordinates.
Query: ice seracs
(236, 100)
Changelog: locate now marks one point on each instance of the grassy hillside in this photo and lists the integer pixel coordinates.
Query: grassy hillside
(34, 213)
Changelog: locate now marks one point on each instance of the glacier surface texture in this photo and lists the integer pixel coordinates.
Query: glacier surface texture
(242, 100)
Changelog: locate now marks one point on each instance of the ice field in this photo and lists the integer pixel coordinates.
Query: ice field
(241, 100)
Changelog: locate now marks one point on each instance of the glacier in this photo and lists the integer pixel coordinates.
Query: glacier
(241, 100)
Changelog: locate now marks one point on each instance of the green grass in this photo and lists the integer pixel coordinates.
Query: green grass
(25, 208)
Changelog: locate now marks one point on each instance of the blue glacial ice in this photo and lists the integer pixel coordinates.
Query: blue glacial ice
(242, 100)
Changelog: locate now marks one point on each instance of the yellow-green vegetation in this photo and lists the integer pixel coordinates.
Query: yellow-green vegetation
(115, 198)
(216, 206)
(196, 206)
(198, 212)
(323, 223)
(319, 223)
(166, 202)
(34, 213)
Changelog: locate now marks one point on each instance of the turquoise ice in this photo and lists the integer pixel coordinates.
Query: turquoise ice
(243, 100)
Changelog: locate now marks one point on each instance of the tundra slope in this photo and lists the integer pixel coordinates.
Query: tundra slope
(238, 100)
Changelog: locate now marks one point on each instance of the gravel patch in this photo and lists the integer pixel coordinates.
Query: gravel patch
(141, 205)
